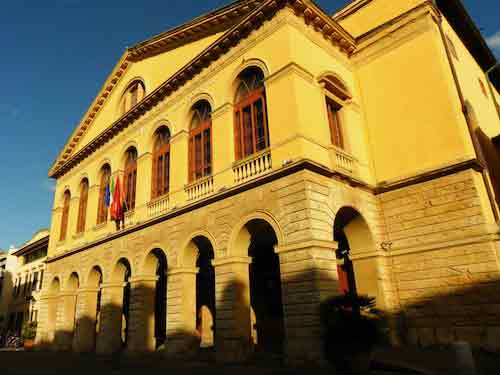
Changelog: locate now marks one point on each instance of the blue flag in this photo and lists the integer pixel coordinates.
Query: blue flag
(107, 196)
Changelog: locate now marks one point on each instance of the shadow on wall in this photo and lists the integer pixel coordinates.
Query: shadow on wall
(6, 292)
(451, 314)
(245, 332)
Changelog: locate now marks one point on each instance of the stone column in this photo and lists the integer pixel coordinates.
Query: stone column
(41, 339)
(308, 278)
(182, 338)
(233, 341)
(109, 339)
(141, 336)
(85, 329)
(65, 328)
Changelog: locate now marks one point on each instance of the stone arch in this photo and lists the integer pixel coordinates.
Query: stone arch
(155, 265)
(336, 84)
(256, 238)
(357, 273)
(137, 80)
(240, 234)
(52, 313)
(95, 277)
(249, 63)
(129, 145)
(151, 134)
(199, 254)
(121, 270)
(199, 97)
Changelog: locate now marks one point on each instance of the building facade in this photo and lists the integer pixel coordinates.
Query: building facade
(23, 280)
(250, 144)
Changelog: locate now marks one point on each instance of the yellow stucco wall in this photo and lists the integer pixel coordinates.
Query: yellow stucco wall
(400, 99)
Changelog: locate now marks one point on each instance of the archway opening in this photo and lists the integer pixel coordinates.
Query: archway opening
(205, 291)
(353, 236)
(54, 292)
(70, 303)
(156, 264)
(265, 288)
(122, 273)
(95, 283)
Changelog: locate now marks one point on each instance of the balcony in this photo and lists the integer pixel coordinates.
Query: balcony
(342, 161)
(129, 218)
(158, 206)
(254, 166)
(200, 188)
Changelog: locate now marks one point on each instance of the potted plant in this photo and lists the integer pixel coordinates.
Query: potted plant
(29, 334)
(352, 328)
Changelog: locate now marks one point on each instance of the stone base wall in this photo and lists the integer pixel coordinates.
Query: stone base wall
(444, 261)
(432, 260)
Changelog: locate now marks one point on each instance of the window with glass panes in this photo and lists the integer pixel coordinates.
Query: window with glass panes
(200, 141)
(130, 180)
(161, 163)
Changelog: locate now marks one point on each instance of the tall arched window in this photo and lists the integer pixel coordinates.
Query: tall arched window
(161, 163)
(65, 216)
(102, 213)
(251, 133)
(130, 180)
(133, 95)
(200, 141)
(82, 207)
(336, 93)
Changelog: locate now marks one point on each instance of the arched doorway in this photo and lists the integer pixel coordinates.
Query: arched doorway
(119, 312)
(53, 305)
(69, 312)
(353, 236)
(94, 300)
(200, 254)
(156, 264)
(265, 288)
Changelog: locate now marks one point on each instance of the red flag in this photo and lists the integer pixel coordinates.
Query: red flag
(116, 206)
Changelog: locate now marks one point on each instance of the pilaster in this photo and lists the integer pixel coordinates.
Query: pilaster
(109, 339)
(233, 337)
(85, 327)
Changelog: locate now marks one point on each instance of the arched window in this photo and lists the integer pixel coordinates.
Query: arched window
(161, 163)
(336, 94)
(133, 95)
(200, 141)
(130, 180)
(65, 216)
(102, 213)
(82, 207)
(251, 133)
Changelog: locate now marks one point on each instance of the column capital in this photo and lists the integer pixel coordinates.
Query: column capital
(142, 279)
(231, 260)
(113, 285)
(68, 293)
(183, 270)
(306, 245)
(88, 290)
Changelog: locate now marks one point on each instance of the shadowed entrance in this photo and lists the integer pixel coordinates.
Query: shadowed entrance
(265, 288)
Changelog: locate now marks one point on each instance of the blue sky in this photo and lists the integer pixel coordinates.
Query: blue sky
(55, 56)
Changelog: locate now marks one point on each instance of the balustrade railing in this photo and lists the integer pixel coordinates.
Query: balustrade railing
(343, 161)
(129, 218)
(158, 206)
(253, 166)
(200, 188)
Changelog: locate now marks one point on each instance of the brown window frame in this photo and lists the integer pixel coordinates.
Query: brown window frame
(333, 109)
(130, 180)
(161, 170)
(246, 139)
(65, 216)
(82, 206)
(102, 211)
(200, 164)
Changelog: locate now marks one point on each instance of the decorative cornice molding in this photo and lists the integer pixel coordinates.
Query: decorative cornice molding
(306, 9)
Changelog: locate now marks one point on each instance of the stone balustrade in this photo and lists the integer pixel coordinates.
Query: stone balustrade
(252, 167)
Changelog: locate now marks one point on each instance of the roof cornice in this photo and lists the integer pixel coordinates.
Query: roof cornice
(33, 246)
(306, 9)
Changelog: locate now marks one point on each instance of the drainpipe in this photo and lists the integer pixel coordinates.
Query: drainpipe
(470, 127)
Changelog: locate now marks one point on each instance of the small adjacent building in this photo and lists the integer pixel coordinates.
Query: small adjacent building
(21, 274)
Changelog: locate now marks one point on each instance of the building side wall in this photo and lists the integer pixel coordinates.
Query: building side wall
(411, 102)
(444, 260)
